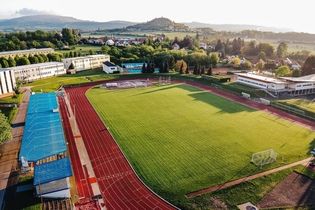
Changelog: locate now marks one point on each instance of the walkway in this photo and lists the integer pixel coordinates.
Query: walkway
(245, 179)
(9, 151)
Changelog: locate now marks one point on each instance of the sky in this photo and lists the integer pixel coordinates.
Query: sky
(292, 14)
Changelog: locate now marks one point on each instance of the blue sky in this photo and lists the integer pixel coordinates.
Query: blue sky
(296, 15)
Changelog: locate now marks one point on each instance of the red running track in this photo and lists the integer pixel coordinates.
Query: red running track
(120, 186)
(83, 187)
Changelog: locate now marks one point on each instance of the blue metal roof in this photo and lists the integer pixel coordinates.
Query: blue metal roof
(43, 133)
(52, 171)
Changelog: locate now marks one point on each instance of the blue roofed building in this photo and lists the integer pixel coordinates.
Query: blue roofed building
(43, 138)
(52, 179)
(44, 148)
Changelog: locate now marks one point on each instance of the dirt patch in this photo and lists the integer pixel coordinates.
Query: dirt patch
(294, 191)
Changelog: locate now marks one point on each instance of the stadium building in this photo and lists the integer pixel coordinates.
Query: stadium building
(37, 71)
(26, 53)
(290, 86)
(7, 82)
(43, 147)
(86, 62)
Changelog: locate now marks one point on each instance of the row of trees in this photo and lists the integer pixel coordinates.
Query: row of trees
(20, 61)
(5, 129)
(38, 39)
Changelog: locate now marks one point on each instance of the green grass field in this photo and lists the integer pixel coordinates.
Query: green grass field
(180, 139)
(53, 83)
(301, 103)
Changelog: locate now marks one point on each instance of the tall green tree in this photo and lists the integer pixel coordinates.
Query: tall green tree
(5, 129)
(11, 62)
(282, 50)
(283, 71)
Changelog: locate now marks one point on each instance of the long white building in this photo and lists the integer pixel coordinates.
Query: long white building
(283, 85)
(7, 82)
(20, 53)
(34, 72)
(86, 62)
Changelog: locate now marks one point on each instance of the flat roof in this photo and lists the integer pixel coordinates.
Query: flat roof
(25, 51)
(43, 134)
(36, 65)
(84, 57)
(309, 78)
(52, 171)
(260, 78)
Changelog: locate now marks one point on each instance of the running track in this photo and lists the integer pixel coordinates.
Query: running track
(120, 186)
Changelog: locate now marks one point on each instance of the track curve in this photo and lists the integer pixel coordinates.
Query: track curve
(121, 188)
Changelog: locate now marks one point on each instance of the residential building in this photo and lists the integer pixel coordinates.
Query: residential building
(7, 82)
(37, 71)
(110, 68)
(86, 62)
(20, 53)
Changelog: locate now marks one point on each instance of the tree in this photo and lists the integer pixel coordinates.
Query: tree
(214, 58)
(282, 50)
(309, 66)
(236, 62)
(33, 59)
(4, 63)
(246, 65)
(180, 66)
(5, 129)
(296, 73)
(209, 72)
(70, 36)
(22, 61)
(283, 71)
(11, 62)
(266, 48)
(260, 65)
(144, 68)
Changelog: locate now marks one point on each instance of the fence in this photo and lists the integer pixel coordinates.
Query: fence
(294, 110)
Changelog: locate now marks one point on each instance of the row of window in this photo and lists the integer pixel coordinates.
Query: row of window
(252, 82)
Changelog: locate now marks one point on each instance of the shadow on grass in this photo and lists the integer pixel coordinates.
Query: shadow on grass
(220, 103)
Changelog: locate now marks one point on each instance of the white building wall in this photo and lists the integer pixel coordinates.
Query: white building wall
(260, 84)
(3, 83)
(87, 62)
(8, 79)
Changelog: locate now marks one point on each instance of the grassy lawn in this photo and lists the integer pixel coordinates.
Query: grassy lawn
(16, 99)
(180, 139)
(84, 49)
(53, 83)
(301, 103)
(251, 191)
(9, 112)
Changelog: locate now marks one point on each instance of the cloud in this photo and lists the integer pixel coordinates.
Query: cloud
(28, 12)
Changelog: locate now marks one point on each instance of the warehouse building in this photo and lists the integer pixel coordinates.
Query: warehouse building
(7, 82)
(26, 53)
(37, 71)
(86, 62)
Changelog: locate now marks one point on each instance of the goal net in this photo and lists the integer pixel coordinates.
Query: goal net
(264, 157)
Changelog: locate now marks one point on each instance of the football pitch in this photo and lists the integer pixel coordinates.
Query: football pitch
(180, 139)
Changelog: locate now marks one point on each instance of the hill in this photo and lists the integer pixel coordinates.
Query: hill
(159, 24)
(235, 27)
(53, 22)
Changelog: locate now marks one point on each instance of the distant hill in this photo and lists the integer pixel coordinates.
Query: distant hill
(158, 24)
(52, 22)
(235, 27)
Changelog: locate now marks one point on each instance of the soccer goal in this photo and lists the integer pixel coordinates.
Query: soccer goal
(264, 157)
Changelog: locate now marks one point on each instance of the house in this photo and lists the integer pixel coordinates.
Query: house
(110, 42)
(203, 45)
(175, 46)
(110, 68)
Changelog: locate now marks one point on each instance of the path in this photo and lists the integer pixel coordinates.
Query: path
(9, 151)
(245, 179)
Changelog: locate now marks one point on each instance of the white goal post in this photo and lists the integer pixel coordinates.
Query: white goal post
(264, 157)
